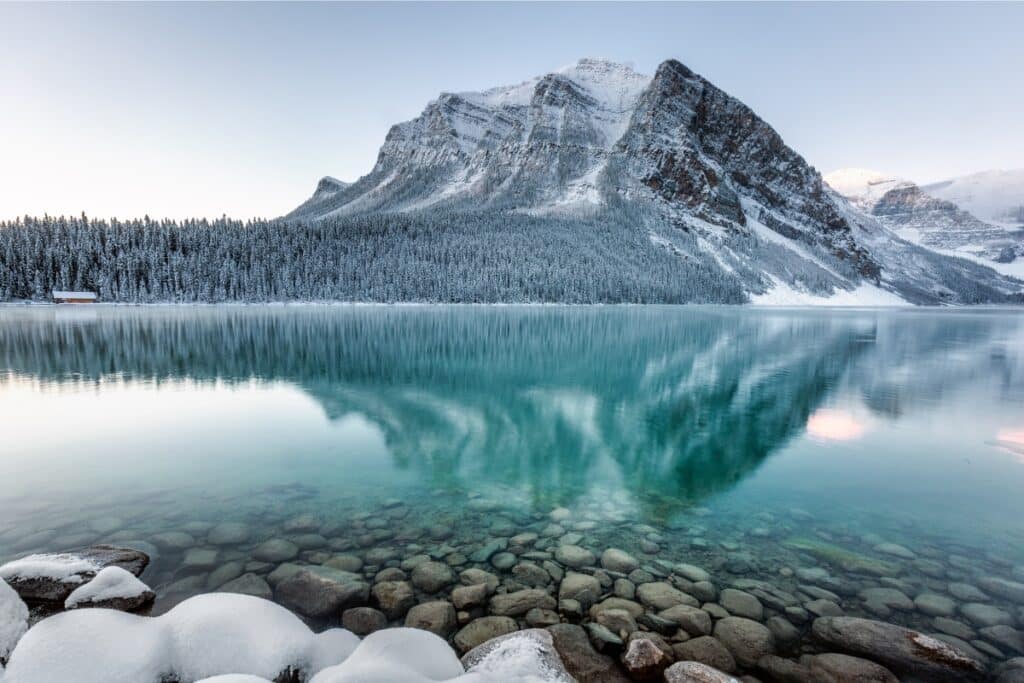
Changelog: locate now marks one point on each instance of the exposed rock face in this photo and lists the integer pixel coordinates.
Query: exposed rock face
(688, 168)
(928, 220)
(51, 577)
(899, 648)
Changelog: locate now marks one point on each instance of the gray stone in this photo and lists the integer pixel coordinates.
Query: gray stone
(393, 597)
(484, 553)
(174, 540)
(473, 576)
(1002, 588)
(935, 605)
(542, 618)
(199, 558)
(464, 597)
(603, 638)
(228, 533)
(226, 572)
(348, 563)
(965, 592)
(321, 591)
(839, 668)
(898, 648)
(660, 595)
(954, 628)
(581, 660)
(784, 632)
(574, 556)
(283, 571)
(503, 561)
(248, 584)
(583, 588)
(695, 621)
(985, 615)
(616, 560)
(746, 640)
(895, 550)
(363, 620)
(431, 577)
(617, 603)
(276, 550)
(644, 660)
(481, 630)
(437, 616)
(823, 608)
(706, 650)
(1006, 637)
(695, 672)
(618, 621)
(741, 604)
(520, 602)
(692, 572)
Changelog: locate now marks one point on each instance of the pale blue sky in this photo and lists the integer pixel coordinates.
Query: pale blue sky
(203, 109)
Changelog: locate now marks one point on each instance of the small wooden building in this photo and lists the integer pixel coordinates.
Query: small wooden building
(73, 297)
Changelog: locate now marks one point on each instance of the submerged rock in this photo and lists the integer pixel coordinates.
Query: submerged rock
(321, 591)
(582, 661)
(900, 648)
(248, 584)
(746, 640)
(695, 672)
(437, 616)
(483, 629)
(520, 602)
(52, 577)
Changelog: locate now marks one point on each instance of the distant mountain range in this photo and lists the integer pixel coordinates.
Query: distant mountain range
(923, 216)
(690, 169)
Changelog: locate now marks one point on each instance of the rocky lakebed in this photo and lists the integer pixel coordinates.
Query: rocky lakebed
(765, 594)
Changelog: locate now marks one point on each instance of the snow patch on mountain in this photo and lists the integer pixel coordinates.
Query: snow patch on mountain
(996, 195)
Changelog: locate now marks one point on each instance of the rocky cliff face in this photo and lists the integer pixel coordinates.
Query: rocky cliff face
(671, 156)
(924, 219)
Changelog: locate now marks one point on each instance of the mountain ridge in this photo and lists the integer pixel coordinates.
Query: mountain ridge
(693, 168)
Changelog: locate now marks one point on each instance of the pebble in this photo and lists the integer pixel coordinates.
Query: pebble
(746, 640)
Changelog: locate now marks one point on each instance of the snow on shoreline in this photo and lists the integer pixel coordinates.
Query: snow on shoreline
(231, 638)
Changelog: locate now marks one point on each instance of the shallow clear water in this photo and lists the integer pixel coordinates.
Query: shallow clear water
(749, 442)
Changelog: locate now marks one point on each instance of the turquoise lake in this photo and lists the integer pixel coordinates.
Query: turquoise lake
(851, 449)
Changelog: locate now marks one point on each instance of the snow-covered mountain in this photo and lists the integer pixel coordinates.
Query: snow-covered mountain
(668, 157)
(919, 217)
(990, 195)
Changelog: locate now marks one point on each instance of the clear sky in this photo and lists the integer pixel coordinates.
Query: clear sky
(203, 109)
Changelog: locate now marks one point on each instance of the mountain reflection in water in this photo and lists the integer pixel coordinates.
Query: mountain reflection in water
(673, 405)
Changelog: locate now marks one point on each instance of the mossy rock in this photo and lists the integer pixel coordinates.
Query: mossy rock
(843, 558)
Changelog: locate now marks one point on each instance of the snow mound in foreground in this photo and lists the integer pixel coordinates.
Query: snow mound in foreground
(13, 621)
(227, 638)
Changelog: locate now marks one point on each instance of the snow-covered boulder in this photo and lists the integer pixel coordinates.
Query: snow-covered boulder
(114, 588)
(13, 621)
(52, 577)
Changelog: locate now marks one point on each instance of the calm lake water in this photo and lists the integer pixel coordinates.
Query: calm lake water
(848, 449)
